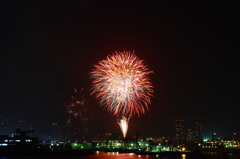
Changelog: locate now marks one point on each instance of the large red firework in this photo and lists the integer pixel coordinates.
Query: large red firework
(121, 84)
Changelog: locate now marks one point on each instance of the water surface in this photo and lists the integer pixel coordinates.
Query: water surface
(110, 155)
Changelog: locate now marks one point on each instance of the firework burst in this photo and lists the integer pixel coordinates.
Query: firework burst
(122, 85)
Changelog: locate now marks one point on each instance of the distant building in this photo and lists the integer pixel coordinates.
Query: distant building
(235, 136)
(4, 124)
(214, 136)
(56, 132)
(198, 129)
(190, 135)
(21, 124)
(179, 130)
(17, 144)
(183, 135)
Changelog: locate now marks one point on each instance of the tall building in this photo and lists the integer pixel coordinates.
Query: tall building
(56, 131)
(190, 135)
(179, 130)
(235, 136)
(214, 136)
(4, 124)
(21, 124)
(198, 129)
(183, 134)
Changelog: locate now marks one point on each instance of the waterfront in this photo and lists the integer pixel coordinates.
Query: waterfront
(103, 155)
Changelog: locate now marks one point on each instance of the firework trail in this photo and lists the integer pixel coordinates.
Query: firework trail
(124, 126)
(122, 85)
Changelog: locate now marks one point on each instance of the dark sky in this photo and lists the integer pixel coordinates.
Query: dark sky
(193, 49)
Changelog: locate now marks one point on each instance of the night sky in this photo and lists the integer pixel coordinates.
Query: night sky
(193, 48)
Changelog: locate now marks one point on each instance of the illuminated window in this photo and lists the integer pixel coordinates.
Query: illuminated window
(3, 144)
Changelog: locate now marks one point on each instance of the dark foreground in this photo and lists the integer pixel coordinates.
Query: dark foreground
(114, 155)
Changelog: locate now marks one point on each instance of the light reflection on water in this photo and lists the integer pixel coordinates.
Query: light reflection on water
(183, 156)
(115, 155)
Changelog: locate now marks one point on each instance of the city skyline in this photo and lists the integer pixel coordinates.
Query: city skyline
(182, 130)
(50, 47)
